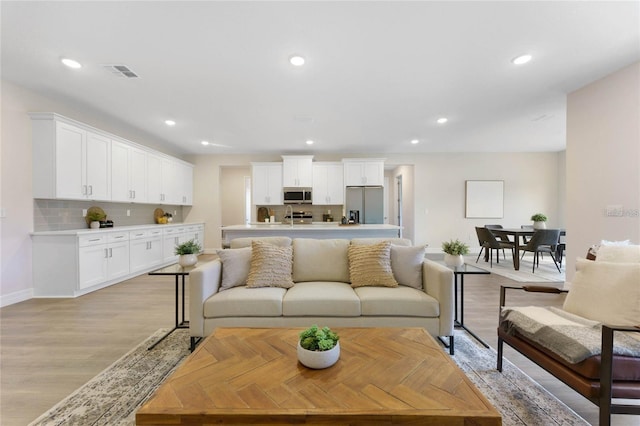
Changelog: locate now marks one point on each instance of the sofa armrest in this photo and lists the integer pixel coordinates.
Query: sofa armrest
(530, 289)
(437, 281)
(204, 281)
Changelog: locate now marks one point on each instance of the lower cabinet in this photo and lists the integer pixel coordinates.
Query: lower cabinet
(73, 263)
(145, 249)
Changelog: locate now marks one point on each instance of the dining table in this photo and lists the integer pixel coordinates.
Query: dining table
(516, 233)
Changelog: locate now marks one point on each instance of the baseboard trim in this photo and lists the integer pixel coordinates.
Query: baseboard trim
(16, 297)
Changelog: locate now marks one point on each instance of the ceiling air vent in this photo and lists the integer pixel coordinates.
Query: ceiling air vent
(121, 71)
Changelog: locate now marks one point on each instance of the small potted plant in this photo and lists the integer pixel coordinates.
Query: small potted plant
(188, 252)
(94, 218)
(539, 221)
(454, 250)
(318, 347)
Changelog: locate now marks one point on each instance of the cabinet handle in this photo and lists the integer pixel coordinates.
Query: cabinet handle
(90, 189)
(134, 194)
(106, 253)
(110, 252)
(95, 239)
(119, 236)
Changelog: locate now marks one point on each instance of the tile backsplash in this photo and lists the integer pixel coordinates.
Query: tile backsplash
(59, 215)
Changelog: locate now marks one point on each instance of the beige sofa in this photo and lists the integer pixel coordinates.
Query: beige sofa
(322, 290)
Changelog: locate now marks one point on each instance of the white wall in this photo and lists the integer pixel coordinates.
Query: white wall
(603, 161)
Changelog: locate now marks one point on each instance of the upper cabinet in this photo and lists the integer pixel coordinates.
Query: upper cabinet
(328, 183)
(70, 162)
(297, 171)
(266, 181)
(363, 172)
(73, 161)
(128, 173)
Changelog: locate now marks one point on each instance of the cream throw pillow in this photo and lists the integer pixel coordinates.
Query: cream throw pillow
(406, 263)
(270, 266)
(235, 267)
(370, 265)
(618, 253)
(606, 292)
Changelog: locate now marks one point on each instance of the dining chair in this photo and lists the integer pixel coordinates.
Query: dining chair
(542, 241)
(503, 238)
(489, 242)
(525, 239)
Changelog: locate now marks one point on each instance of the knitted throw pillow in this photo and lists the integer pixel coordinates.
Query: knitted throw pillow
(370, 265)
(270, 266)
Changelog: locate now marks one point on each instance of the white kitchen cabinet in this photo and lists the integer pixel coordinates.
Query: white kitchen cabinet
(363, 172)
(69, 162)
(297, 171)
(145, 249)
(328, 183)
(169, 181)
(102, 258)
(72, 263)
(128, 173)
(266, 183)
(74, 161)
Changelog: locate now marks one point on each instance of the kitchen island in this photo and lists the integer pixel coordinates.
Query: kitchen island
(322, 230)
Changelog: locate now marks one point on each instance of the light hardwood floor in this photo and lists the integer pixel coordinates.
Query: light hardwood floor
(50, 347)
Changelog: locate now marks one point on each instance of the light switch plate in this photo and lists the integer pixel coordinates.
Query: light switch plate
(84, 212)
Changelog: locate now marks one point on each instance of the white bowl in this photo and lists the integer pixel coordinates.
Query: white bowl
(318, 359)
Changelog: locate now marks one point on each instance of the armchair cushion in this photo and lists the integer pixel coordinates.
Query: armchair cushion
(606, 292)
(619, 253)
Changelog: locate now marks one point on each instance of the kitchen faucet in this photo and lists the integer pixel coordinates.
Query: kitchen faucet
(291, 215)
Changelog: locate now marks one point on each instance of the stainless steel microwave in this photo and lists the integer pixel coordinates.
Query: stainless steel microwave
(297, 196)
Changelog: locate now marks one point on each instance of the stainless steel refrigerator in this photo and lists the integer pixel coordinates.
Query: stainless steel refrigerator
(368, 201)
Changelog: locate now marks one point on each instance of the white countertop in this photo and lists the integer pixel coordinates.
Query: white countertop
(84, 231)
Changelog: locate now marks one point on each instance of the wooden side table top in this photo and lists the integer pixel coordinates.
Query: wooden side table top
(383, 376)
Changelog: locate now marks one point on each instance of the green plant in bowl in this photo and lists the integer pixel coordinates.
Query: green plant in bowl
(455, 247)
(188, 247)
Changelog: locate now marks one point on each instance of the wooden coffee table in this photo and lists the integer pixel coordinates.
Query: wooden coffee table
(384, 376)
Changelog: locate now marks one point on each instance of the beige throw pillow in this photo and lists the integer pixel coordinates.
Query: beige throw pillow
(235, 267)
(270, 266)
(606, 292)
(406, 263)
(370, 265)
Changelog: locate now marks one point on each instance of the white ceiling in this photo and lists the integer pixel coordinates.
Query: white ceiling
(377, 74)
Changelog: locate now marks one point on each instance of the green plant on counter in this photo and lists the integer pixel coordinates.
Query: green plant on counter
(189, 247)
(318, 339)
(539, 217)
(455, 247)
(96, 216)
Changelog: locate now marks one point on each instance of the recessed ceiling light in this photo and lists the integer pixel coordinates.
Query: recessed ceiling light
(297, 60)
(522, 59)
(442, 120)
(205, 143)
(71, 63)
(415, 141)
(170, 122)
(309, 142)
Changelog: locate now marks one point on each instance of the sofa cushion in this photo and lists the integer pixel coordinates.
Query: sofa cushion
(245, 302)
(320, 260)
(406, 264)
(235, 266)
(370, 241)
(370, 265)
(606, 292)
(618, 253)
(321, 299)
(399, 301)
(246, 241)
(270, 266)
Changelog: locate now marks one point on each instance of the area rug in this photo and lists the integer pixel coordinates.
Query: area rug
(546, 272)
(113, 396)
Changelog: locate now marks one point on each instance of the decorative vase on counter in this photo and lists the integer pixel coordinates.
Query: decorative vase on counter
(95, 224)
(539, 225)
(187, 259)
(318, 359)
(453, 259)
